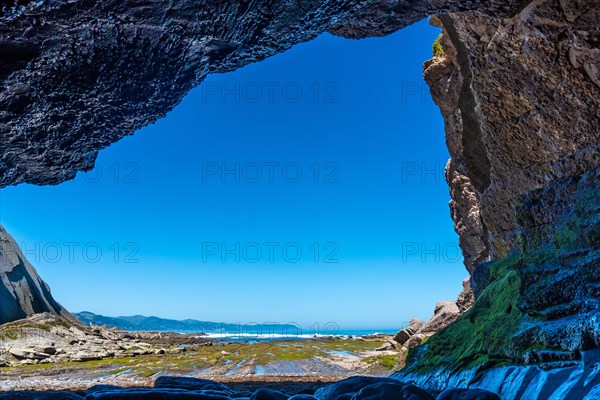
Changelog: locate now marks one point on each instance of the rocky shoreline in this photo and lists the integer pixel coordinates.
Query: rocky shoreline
(75, 362)
(44, 352)
(45, 339)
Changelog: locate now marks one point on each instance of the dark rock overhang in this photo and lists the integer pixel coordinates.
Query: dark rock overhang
(80, 75)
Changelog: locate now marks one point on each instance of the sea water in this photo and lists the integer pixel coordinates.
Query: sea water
(300, 335)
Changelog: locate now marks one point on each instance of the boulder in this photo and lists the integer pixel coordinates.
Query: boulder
(31, 395)
(46, 348)
(19, 353)
(416, 340)
(467, 394)
(178, 382)
(266, 394)
(349, 386)
(392, 391)
(387, 346)
(154, 394)
(405, 334)
(27, 354)
(82, 356)
(466, 297)
(103, 388)
(445, 313)
(303, 397)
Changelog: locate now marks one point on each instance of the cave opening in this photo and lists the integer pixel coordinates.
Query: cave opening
(303, 178)
(307, 187)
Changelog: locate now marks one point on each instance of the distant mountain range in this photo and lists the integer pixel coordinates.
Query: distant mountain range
(143, 323)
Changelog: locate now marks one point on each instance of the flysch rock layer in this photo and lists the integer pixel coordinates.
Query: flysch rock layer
(22, 291)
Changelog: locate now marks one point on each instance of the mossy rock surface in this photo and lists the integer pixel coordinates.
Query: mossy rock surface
(482, 334)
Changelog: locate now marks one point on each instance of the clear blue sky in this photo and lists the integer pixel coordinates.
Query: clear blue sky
(355, 111)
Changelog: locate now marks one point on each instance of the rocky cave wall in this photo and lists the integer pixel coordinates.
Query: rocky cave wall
(518, 87)
(80, 75)
(520, 102)
(520, 99)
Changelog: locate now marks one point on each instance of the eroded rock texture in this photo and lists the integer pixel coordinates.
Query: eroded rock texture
(520, 99)
(517, 99)
(22, 291)
(79, 75)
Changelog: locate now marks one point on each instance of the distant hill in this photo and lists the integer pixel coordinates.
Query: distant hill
(143, 323)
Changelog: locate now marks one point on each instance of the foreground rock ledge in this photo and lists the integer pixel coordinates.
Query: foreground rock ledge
(180, 388)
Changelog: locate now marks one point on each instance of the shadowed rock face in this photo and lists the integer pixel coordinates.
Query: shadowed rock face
(22, 291)
(520, 99)
(79, 75)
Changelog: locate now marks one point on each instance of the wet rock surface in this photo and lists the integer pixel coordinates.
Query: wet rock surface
(349, 386)
(578, 381)
(391, 391)
(167, 388)
(467, 394)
